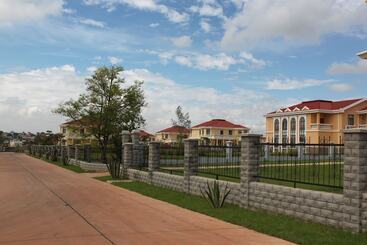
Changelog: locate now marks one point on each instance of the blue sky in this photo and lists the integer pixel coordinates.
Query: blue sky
(233, 59)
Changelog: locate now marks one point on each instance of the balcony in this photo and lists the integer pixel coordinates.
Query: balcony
(321, 126)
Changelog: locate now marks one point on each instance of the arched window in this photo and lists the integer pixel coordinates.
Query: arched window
(284, 125)
(276, 125)
(276, 131)
(285, 131)
(293, 130)
(302, 130)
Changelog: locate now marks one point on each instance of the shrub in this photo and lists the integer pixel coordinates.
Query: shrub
(214, 195)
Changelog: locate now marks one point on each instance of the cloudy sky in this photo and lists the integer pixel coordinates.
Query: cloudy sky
(232, 59)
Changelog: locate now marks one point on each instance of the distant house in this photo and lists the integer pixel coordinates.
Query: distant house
(315, 121)
(76, 132)
(143, 135)
(218, 131)
(174, 134)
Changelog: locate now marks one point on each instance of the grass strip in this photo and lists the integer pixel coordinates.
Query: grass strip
(71, 167)
(285, 227)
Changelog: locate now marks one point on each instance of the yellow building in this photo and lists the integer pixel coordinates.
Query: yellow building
(317, 121)
(75, 132)
(172, 135)
(218, 131)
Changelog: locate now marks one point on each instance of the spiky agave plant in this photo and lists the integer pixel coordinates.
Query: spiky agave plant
(214, 195)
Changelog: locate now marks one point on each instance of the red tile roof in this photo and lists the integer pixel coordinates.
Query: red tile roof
(363, 109)
(142, 133)
(322, 105)
(175, 129)
(219, 123)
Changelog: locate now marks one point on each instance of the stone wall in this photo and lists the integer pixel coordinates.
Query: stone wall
(315, 206)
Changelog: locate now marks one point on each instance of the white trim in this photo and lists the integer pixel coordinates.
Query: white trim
(287, 110)
(296, 109)
(305, 108)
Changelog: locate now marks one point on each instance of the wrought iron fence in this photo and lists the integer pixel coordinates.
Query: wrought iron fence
(311, 164)
(219, 161)
(172, 158)
(140, 157)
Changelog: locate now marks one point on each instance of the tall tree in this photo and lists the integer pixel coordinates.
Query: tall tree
(108, 107)
(182, 120)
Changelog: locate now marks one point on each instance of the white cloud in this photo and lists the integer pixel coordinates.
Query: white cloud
(147, 5)
(205, 26)
(289, 84)
(24, 10)
(340, 87)
(344, 68)
(154, 25)
(91, 69)
(296, 22)
(208, 8)
(220, 61)
(114, 60)
(252, 60)
(164, 95)
(92, 22)
(182, 42)
(27, 98)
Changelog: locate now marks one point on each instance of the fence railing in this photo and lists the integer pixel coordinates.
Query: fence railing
(311, 164)
(219, 161)
(141, 158)
(172, 158)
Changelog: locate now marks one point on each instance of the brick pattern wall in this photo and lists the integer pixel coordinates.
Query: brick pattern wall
(315, 206)
(171, 181)
(138, 175)
(98, 167)
(200, 183)
(364, 213)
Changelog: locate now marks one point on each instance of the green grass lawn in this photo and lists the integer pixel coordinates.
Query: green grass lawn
(71, 167)
(281, 226)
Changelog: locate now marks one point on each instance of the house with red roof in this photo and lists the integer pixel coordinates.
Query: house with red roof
(172, 135)
(315, 121)
(218, 132)
(143, 135)
(76, 132)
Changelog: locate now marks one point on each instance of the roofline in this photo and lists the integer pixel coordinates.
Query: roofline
(316, 110)
(198, 127)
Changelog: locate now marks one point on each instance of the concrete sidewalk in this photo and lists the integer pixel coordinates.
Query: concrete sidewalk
(43, 204)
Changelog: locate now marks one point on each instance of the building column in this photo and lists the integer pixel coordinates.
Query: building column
(249, 164)
(355, 179)
(191, 158)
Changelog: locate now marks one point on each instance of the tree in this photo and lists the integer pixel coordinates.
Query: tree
(183, 121)
(108, 107)
(47, 138)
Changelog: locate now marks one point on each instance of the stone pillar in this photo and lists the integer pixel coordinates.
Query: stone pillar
(191, 159)
(76, 153)
(249, 164)
(68, 151)
(355, 179)
(154, 159)
(128, 158)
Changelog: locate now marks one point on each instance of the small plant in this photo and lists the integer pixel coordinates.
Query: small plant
(65, 160)
(214, 195)
(114, 168)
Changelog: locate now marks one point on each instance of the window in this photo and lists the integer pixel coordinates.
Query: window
(350, 120)
(302, 130)
(64, 130)
(207, 131)
(230, 132)
(239, 132)
(284, 131)
(322, 120)
(293, 131)
(276, 125)
(165, 136)
(284, 125)
(221, 132)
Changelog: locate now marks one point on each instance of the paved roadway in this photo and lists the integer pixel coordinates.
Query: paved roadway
(44, 204)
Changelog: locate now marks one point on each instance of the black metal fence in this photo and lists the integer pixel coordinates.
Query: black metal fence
(172, 158)
(310, 164)
(141, 157)
(219, 161)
